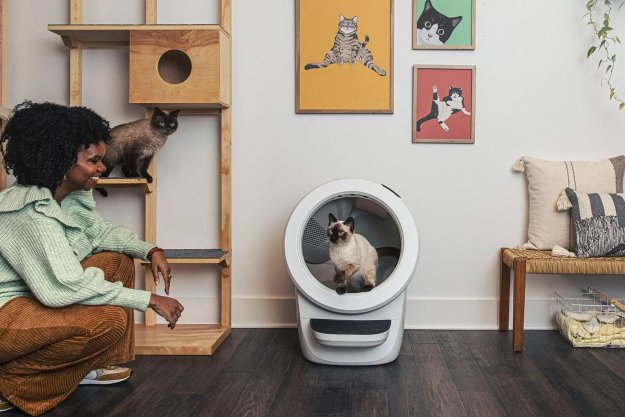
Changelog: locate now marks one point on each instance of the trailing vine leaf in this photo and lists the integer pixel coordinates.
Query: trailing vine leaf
(605, 41)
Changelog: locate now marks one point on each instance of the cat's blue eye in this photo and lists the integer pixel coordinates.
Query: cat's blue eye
(161, 123)
(440, 32)
(428, 24)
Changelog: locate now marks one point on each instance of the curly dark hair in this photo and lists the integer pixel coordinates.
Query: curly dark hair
(41, 141)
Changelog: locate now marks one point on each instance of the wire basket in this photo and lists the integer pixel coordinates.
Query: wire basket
(591, 319)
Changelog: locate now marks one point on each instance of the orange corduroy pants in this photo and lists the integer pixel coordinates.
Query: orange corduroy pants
(45, 352)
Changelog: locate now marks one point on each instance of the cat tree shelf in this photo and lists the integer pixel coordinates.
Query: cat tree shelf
(173, 66)
(115, 35)
(196, 256)
(184, 339)
(140, 183)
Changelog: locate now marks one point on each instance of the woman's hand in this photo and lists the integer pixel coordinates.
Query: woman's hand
(166, 307)
(158, 263)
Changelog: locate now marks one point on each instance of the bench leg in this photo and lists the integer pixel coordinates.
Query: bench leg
(519, 304)
(504, 296)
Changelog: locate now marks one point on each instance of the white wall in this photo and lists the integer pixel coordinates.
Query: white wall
(536, 95)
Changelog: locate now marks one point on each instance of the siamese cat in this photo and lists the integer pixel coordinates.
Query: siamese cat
(134, 144)
(352, 255)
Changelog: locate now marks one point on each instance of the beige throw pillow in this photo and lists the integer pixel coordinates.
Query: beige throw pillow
(545, 182)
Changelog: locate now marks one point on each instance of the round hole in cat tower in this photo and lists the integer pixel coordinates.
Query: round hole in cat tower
(174, 66)
(358, 327)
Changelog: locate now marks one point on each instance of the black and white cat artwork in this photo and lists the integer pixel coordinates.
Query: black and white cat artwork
(443, 109)
(348, 49)
(433, 27)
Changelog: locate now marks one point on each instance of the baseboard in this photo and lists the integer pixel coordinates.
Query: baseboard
(421, 313)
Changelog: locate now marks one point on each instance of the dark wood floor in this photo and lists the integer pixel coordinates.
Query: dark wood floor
(261, 372)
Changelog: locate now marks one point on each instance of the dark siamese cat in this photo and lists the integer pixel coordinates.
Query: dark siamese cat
(134, 144)
(352, 255)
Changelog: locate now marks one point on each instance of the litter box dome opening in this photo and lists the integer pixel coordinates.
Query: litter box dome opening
(379, 215)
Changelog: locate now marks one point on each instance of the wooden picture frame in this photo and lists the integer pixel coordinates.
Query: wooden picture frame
(342, 71)
(443, 24)
(443, 106)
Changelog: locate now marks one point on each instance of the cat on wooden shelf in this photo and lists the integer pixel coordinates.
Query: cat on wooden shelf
(351, 254)
(134, 144)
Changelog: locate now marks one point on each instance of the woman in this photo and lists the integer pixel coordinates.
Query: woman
(62, 322)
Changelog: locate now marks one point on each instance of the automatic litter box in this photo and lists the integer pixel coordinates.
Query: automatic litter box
(357, 328)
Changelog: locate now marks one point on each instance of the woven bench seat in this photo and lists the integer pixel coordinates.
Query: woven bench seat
(524, 262)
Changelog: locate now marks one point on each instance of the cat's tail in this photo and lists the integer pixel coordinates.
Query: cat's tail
(388, 251)
(366, 41)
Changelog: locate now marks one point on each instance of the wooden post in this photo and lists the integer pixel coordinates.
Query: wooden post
(3, 76)
(151, 7)
(504, 296)
(226, 15)
(226, 183)
(75, 58)
(226, 214)
(518, 314)
(150, 236)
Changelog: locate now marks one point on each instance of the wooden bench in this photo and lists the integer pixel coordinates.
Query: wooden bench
(524, 262)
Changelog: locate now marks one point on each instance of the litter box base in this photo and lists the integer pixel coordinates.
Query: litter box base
(370, 338)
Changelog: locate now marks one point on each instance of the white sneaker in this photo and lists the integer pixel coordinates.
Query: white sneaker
(5, 405)
(106, 376)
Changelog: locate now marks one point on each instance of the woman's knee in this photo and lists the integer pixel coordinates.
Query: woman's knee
(116, 267)
(112, 322)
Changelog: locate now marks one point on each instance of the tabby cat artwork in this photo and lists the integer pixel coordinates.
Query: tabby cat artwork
(443, 109)
(433, 27)
(348, 49)
(134, 144)
(351, 254)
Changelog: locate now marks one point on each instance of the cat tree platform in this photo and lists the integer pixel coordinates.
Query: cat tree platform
(174, 66)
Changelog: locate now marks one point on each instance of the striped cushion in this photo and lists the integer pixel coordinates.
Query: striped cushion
(599, 220)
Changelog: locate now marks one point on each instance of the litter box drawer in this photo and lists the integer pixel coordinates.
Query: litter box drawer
(350, 333)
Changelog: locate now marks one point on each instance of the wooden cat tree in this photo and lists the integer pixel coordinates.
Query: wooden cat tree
(181, 66)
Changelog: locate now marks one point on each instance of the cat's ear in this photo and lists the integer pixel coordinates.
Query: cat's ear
(341, 18)
(455, 21)
(332, 219)
(355, 19)
(174, 113)
(428, 6)
(158, 111)
(349, 223)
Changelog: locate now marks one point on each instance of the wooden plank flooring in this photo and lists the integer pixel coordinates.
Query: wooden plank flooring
(261, 372)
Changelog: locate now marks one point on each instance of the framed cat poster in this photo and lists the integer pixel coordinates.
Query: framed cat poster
(443, 24)
(344, 56)
(443, 106)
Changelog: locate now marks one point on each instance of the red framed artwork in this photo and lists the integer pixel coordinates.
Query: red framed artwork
(443, 107)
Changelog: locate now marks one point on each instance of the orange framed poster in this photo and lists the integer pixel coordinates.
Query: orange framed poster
(443, 106)
(344, 56)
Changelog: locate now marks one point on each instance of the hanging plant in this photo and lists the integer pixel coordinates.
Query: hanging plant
(606, 40)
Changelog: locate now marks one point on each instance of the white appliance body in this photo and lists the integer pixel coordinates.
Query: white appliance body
(358, 328)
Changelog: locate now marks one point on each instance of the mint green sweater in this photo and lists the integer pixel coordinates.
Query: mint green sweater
(42, 244)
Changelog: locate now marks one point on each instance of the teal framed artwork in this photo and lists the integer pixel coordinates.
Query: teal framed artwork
(443, 24)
